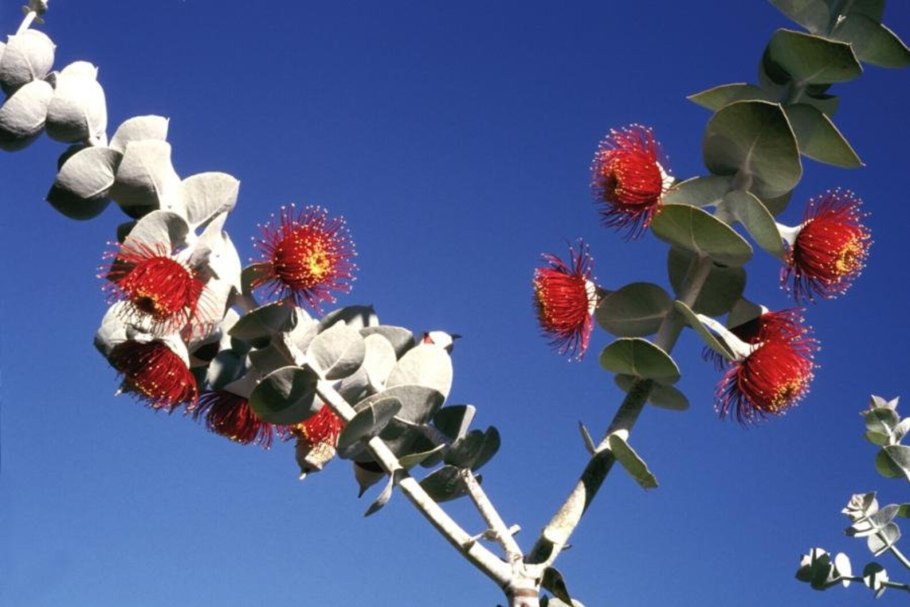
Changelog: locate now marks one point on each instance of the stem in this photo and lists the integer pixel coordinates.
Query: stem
(898, 554)
(492, 517)
(481, 557)
(556, 534)
(27, 22)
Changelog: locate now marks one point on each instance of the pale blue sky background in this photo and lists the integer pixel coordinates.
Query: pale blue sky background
(456, 138)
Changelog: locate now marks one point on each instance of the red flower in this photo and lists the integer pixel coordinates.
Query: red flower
(154, 285)
(306, 256)
(777, 372)
(628, 178)
(830, 247)
(323, 427)
(154, 372)
(316, 440)
(783, 325)
(231, 416)
(565, 297)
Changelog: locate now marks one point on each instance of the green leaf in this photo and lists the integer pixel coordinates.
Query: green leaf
(367, 423)
(742, 312)
(707, 336)
(632, 462)
(753, 140)
(719, 96)
(635, 310)
(758, 221)
(881, 419)
(703, 191)
(819, 139)
(662, 396)
(721, 290)
(258, 326)
(285, 396)
(444, 484)
(872, 42)
(813, 15)
(640, 358)
(809, 59)
(695, 230)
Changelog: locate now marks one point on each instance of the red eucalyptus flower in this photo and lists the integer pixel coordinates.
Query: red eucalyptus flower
(316, 440)
(154, 285)
(628, 178)
(783, 325)
(565, 297)
(153, 371)
(306, 256)
(776, 372)
(323, 427)
(231, 416)
(830, 247)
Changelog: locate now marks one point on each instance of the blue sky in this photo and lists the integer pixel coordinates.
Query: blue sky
(456, 138)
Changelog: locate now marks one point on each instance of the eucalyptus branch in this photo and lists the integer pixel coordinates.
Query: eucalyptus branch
(556, 534)
(501, 532)
(480, 556)
(893, 549)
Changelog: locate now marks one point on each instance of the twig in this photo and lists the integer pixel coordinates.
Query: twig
(491, 516)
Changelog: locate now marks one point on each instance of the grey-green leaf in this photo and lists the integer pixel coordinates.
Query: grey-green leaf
(813, 15)
(754, 141)
(139, 128)
(258, 326)
(285, 396)
(81, 187)
(695, 230)
(632, 462)
(810, 59)
(758, 221)
(78, 110)
(337, 352)
(146, 179)
(424, 365)
(208, 194)
(872, 42)
(819, 139)
(661, 395)
(719, 96)
(640, 358)
(22, 116)
(704, 191)
(444, 484)
(709, 338)
(721, 290)
(454, 420)
(367, 423)
(635, 310)
(26, 57)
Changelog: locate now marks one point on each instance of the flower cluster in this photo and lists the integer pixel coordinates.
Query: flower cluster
(173, 285)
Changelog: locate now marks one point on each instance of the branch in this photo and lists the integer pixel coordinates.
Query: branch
(556, 534)
(488, 511)
(477, 554)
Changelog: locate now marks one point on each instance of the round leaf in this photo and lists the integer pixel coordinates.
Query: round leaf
(418, 403)
(424, 365)
(258, 326)
(752, 139)
(80, 190)
(139, 128)
(635, 310)
(695, 230)
(285, 396)
(22, 116)
(444, 484)
(337, 352)
(146, 179)
(703, 191)
(27, 56)
(661, 395)
(208, 194)
(78, 110)
(809, 59)
(367, 423)
(871, 41)
(719, 96)
(640, 358)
